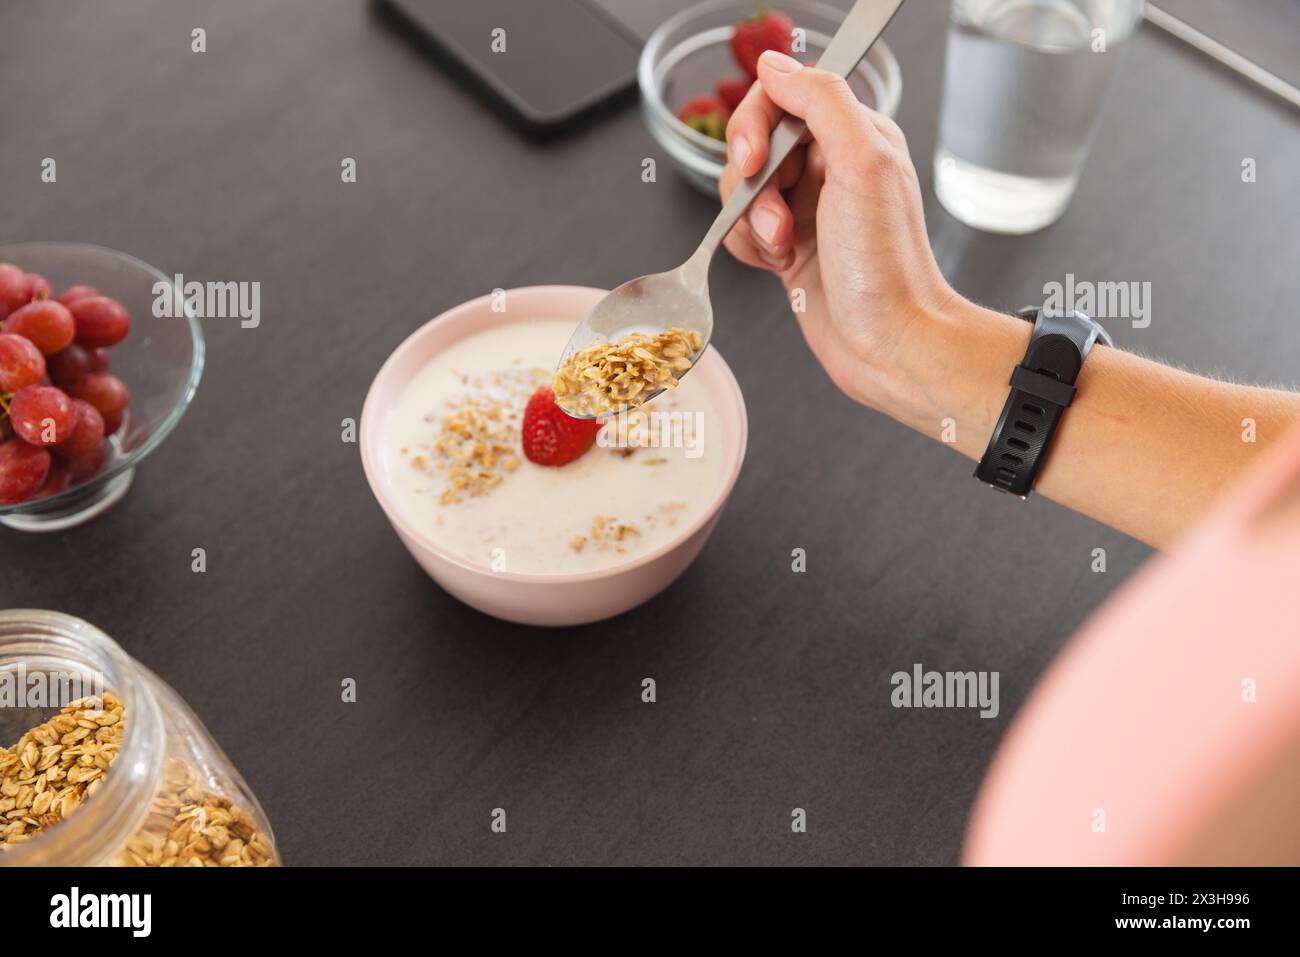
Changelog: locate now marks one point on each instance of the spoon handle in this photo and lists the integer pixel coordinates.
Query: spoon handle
(860, 29)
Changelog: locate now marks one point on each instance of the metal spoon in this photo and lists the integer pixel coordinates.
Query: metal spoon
(661, 301)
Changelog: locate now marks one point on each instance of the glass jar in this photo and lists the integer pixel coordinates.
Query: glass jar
(139, 778)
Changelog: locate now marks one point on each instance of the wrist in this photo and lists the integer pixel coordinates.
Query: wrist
(947, 375)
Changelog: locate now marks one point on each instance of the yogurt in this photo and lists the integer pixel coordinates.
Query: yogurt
(647, 479)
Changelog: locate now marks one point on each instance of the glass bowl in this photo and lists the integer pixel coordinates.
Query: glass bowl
(690, 53)
(160, 362)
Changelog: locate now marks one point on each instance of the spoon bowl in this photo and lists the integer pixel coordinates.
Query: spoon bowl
(650, 304)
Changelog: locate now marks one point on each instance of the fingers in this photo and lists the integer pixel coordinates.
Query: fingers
(804, 196)
(749, 128)
(771, 227)
(742, 244)
(847, 136)
(889, 130)
(764, 238)
(835, 117)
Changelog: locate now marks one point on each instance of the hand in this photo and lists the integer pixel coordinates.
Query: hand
(842, 220)
(1143, 448)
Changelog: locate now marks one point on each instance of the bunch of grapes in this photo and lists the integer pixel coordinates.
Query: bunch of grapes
(58, 401)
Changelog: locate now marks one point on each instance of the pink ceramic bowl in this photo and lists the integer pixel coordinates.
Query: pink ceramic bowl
(530, 599)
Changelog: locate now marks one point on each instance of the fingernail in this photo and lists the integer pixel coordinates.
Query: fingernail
(778, 61)
(740, 152)
(765, 223)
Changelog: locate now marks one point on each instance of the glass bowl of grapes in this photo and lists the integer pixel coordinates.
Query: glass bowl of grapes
(94, 374)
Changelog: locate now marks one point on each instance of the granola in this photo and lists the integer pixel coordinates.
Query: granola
(189, 826)
(57, 765)
(478, 439)
(610, 533)
(608, 377)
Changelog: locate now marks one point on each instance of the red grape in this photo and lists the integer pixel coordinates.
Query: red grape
(68, 366)
(13, 288)
(87, 429)
(6, 429)
(73, 293)
(113, 422)
(102, 390)
(101, 321)
(42, 415)
(21, 363)
(58, 480)
(99, 360)
(83, 450)
(86, 464)
(23, 469)
(47, 323)
(38, 287)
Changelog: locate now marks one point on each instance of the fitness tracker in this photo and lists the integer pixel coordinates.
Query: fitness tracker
(1042, 388)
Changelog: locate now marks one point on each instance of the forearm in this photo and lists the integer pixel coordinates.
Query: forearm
(1144, 448)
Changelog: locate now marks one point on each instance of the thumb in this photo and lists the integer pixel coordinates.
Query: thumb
(835, 117)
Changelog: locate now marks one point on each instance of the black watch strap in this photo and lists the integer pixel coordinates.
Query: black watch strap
(1042, 388)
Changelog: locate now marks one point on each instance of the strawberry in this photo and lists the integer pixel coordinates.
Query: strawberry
(552, 436)
(707, 115)
(732, 90)
(765, 30)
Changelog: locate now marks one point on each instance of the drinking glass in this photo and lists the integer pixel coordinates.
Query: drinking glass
(1023, 84)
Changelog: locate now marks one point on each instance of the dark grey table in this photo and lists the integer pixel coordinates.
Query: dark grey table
(773, 687)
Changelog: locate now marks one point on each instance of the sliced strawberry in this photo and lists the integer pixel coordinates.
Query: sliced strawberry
(766, 30)
(707, 115)
(550, 435)
(732, 90)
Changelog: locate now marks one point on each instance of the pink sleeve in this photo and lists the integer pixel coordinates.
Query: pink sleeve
(1168, 731)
